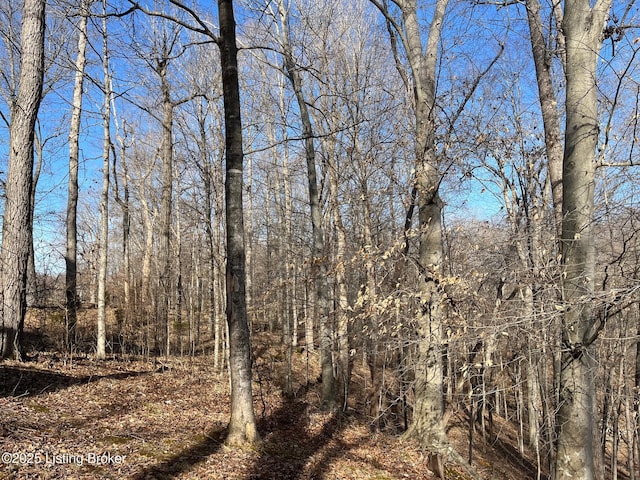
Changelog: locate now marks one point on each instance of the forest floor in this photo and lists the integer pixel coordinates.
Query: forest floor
(130, 418)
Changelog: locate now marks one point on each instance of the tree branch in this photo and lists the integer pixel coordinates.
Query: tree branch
(202, 27)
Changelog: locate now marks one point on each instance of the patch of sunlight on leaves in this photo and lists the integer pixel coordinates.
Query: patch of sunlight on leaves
(454, 475)
(201, 438)
(361, 471)
(156, 453)
(375, 463)
(154, 408)
(116, 439)
(39, 408)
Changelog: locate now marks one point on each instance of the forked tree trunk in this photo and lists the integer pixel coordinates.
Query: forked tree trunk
(16, 225)
(428, 417)
(242, 426)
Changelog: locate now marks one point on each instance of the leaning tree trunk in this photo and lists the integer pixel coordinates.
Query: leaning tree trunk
(319, 263)
(242, 427)
(583, 27)
(16, 225)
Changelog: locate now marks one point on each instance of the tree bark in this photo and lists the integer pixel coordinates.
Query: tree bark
(145, 270)
(548, 107)
(242, 427)
(33, 293)
(71, 257)
(428, 417)
(583, 27)
(16, 225)
(341, 301)
(248, 239)
(104, 197)
(290, 262)
(207, 178)
(166, 198)
(123, 202)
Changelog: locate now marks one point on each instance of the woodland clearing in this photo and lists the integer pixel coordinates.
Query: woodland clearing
(128, 417)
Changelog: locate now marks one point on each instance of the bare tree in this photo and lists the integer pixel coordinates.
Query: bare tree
(583, 27)
(242, 427)
(104, 196)
(319, 253)
(204, 142)
(166, 199)
(71, 257)
(16, 226)
(543, 59)
(164, 53)
(428, 417)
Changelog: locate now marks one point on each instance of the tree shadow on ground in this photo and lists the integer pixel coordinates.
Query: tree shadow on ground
(284, 453)
(187, 459)
(288, 445)
(25, 381)
(511, 455)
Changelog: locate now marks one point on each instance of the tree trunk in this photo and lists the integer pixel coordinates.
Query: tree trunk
(104, 198)
(248, 240)
(179, 286)
(342, 302)
(242, 426)
(166, 198)
(220, 331)
(211, 238)
(548, 107)
(582, 26)
(319, 264)
(71, 257)
(145, 294)
(308, 304)
(290, 262)
(123, 202)
(533, 398)
(16, 225)
(33, 293)
(428, 417)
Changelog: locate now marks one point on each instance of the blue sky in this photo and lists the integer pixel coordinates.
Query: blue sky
(487, 25)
